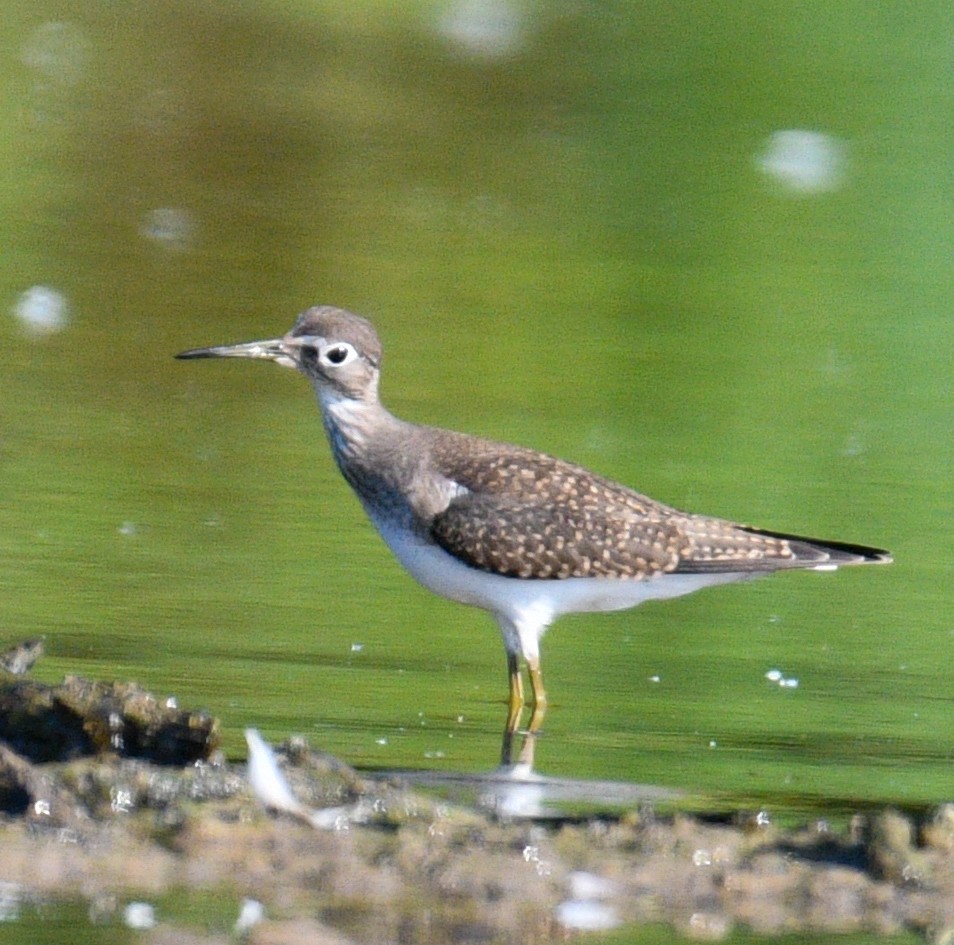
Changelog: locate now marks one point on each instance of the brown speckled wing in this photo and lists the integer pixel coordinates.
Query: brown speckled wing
(517, 538)
(528, 515)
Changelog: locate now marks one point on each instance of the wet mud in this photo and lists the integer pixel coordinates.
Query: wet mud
(380, 859)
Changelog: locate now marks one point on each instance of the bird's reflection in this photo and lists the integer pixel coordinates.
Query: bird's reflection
(515, 790)
(520, 743)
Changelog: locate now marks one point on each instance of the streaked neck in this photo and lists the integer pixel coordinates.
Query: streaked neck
(353, 425)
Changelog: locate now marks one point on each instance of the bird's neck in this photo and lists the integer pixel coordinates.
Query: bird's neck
(366, 441)
(354, 427)
(387, 461)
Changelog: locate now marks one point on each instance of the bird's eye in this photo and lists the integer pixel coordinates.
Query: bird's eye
(339, 354)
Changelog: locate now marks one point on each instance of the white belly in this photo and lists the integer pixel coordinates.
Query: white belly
(540, 601)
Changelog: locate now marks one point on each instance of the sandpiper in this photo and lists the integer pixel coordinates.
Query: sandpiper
(518, 533)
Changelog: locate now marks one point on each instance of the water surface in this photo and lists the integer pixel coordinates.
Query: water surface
(700, 251)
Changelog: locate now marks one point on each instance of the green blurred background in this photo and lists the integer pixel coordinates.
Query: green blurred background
(702, 248)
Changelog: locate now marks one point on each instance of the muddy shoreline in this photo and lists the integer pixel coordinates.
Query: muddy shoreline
(390, 861)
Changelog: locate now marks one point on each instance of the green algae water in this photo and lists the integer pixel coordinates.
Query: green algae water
(700, 250)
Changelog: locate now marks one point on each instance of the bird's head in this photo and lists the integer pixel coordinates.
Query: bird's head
(337, 351)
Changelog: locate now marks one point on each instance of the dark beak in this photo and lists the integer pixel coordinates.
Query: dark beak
(273, 350)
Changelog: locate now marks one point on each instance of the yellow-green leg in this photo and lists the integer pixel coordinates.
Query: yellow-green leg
(514, 709)
(538, 702)
(515, 706)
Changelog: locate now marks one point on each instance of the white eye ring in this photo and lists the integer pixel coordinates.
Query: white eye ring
(338, 354)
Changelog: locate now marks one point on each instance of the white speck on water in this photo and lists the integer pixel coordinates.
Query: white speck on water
(139, 916)
(586, 885)
(357, 647)
(783, 681)
(169, 226)
(57, 52)
(42, 311)
(250, 914)
(655, 679)
(585, 915)
(127, 528)
(713, 743)
(805, 162)
(855, 445)
(434, 754)
(172, 702)
(489, 28)
(381, 741)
